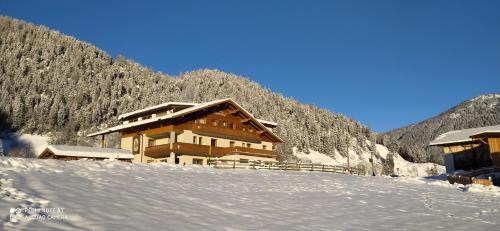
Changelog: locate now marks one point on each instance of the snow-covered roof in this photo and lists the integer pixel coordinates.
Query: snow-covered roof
(89, 152)
(462, 136)
(188, 110)
(485, 133)
(265, 122)
(163, 105)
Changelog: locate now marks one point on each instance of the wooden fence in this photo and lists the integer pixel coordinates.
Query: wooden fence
(237, 164)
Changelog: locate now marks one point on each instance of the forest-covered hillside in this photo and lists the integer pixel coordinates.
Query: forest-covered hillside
(55, 84)
(412, 142)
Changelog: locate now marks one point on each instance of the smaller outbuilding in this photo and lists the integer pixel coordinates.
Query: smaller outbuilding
(68, 152)
(474, 151)
(470, 149)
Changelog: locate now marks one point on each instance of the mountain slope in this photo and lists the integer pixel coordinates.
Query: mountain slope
(52, 83)
(411, 142)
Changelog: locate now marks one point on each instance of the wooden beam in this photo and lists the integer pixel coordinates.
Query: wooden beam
(482, 140)
(234, 111)
(245, 120)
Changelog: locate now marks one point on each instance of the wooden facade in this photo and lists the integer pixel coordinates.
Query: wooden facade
(212, 130)
(492, 139)
(467, 156)
(161, 151)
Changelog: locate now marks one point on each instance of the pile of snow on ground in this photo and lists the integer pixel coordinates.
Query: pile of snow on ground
(406, 168)
(38, 142)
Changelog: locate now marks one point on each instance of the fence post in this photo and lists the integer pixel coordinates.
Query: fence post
(234, 163)
(322, 167)
(312, 167)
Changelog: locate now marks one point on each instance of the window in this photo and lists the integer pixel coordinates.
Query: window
(151, 142)
(243, 144)
(244, 129)
(249, 145)
(264, 147)
(150, 161)
(250, 130)
(213, 142)
(199, 141)
(146, 117)
(164, 160)
(231, 125)
(224, 124)
(214, 122)
(231, 144)
(194, 139)
(243, 161)
(203, 121)
(133, 120)
(198, 161)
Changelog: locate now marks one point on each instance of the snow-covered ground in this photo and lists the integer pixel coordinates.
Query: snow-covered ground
(113, 195)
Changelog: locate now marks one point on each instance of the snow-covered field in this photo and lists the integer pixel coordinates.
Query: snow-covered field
(113, 195)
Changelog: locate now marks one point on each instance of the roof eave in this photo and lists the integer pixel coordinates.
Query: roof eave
(450, 142)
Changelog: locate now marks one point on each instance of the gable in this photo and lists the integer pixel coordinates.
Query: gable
(227, 118)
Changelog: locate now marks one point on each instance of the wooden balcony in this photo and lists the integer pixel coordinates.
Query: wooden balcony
(161, 151)
(225, 132)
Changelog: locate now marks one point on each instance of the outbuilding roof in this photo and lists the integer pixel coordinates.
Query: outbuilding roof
(88, 152)
(462, 136)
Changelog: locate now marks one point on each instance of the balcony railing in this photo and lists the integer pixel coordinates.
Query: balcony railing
(225, 132)
(204, 150)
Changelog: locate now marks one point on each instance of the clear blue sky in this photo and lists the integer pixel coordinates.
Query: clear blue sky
(384, 63)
